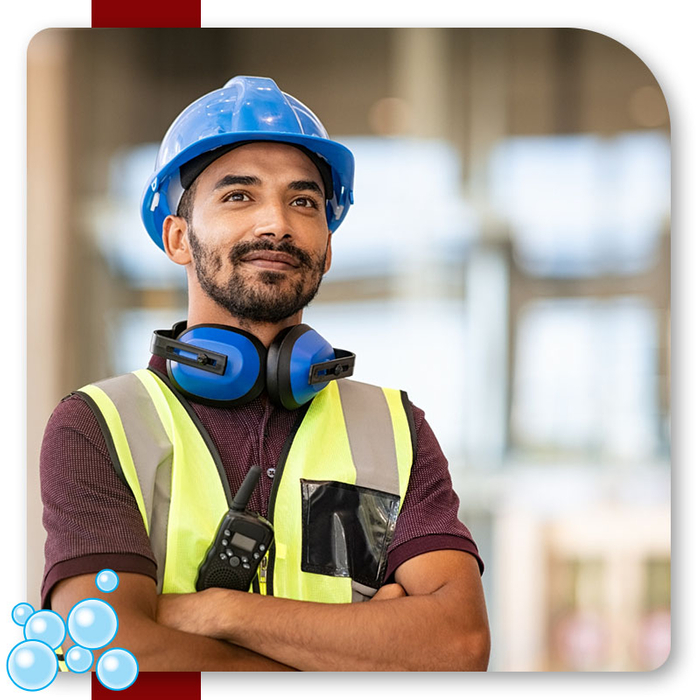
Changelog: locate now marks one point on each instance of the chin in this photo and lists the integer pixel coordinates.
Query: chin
(272, 276)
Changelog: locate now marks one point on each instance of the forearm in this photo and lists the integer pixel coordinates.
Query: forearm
(440, 624)
(407, 634)
(160, 648)
(155, 646)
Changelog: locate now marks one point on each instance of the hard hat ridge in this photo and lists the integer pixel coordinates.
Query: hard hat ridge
(246, 109)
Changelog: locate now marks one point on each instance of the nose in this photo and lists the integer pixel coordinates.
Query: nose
(274, 221)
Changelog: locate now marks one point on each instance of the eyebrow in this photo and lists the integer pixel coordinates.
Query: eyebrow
(228, 180)
(301, 185)
(252, 181)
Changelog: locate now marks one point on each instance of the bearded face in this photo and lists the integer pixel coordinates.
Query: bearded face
(231, 278)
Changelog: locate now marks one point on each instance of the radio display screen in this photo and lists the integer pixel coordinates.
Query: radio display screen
(247, 543)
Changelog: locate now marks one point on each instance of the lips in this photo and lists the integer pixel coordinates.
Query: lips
(270, 259)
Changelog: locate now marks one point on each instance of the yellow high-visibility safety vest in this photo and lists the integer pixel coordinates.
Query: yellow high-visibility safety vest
(339, 484)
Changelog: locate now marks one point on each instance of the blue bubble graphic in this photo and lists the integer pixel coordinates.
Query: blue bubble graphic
(117, 669)
(107, 580)
(46, 626)
(92, 623)
(21, 613)
(79, 659)
(32, 665)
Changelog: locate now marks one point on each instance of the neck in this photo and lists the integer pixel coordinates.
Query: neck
(206, 311)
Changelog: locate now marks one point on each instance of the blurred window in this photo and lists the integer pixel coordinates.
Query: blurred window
(583, 205)
(120, 234)
(585, 378)
(408, 206)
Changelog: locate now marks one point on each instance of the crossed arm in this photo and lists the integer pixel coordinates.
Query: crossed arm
(434, 620)
(157, 648)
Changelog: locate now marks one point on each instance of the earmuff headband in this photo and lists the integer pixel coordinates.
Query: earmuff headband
(342, 366)
(207, 360)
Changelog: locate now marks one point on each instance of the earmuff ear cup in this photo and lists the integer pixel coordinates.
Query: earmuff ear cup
(289, 359)
(244, 376)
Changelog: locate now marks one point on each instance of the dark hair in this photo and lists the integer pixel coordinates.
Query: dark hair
(184, 208)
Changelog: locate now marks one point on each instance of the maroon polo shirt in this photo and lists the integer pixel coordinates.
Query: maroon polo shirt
(93, 522)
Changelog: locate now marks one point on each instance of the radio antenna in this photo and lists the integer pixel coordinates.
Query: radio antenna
(240, 500)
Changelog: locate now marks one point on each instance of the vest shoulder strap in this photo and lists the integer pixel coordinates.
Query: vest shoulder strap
(164, 455)
(134, 434)
(381, 433)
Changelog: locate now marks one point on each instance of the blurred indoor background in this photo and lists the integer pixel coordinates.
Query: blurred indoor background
(507, 262)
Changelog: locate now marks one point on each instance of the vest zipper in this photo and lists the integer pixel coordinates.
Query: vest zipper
(262, 576)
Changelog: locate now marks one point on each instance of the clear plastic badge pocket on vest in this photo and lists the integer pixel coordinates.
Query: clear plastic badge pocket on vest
(346, 530)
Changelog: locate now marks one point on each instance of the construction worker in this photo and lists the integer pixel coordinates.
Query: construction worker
(357, 560)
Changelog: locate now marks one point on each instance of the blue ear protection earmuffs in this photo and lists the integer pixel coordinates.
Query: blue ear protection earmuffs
(226, 366)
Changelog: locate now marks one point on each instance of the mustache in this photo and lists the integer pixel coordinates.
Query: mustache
(242, 249)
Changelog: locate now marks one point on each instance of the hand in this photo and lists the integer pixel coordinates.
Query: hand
(389, 592)
(195, 613)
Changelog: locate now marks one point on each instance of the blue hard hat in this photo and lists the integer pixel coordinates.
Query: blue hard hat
(245, 109)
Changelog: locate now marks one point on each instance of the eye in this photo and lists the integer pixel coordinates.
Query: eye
(236, 196)
(306, 202)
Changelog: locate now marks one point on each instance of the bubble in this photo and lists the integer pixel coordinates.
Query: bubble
(21, 613)
(107, 580)
(79, 659)
(92, 623)
(32, 665)
(117, 669)
(46, 626)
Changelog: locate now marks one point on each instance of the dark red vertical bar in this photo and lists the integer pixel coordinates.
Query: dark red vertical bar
(146, 13)
(152, 685)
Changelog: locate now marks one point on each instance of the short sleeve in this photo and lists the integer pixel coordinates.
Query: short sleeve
(90, 516)
(428, 519)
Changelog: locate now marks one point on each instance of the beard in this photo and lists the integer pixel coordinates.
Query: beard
(269, 298)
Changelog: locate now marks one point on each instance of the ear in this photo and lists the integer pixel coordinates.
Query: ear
(329, 254)
(175, 240)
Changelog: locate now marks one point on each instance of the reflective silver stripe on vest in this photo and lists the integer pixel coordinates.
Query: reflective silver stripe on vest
(159, 524)
(371, 437)
(151, 451)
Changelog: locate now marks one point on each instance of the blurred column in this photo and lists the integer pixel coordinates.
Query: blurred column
(487, 120)
(487, 271)
(48, 234)
(486, 356)
(419, 76)
(518, 615)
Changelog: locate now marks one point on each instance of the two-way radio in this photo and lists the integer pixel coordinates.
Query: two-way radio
(241, 542)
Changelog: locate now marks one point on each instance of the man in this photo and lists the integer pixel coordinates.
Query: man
(137, 471)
